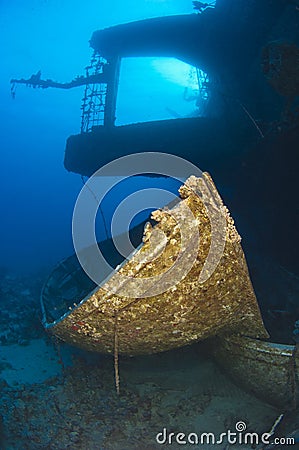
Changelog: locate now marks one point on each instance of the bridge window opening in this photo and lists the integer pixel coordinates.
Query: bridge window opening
(158, 89)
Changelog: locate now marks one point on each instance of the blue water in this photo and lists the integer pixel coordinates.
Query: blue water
(38, 195)
(53, 396)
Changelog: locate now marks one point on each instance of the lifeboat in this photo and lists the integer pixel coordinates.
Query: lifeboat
(174, 291)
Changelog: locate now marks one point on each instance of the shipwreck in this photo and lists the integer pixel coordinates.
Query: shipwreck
(253, 75)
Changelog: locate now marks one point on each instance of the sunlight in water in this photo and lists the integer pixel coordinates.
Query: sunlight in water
(159, 88)
(177, 72)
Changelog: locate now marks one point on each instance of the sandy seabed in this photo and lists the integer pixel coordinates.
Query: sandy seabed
(55, 397)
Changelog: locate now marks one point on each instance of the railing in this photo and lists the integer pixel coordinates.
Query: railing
(94, 99)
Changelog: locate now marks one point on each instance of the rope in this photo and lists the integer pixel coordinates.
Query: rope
(251, 118)
(97, 200)
(116, 366)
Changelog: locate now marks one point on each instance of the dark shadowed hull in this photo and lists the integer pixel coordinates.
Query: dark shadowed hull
(199, 140)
